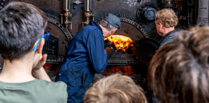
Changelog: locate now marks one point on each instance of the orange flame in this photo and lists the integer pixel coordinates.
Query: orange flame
(120, 42)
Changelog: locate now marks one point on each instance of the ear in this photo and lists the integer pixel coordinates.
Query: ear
(40, 46)
(113, 31)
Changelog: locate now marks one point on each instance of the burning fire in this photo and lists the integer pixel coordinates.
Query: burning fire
(120, 42)
(127, 70)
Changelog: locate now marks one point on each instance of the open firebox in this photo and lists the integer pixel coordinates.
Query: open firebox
(122, 55)
(128, 57)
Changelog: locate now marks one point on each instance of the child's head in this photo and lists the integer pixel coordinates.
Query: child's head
(21, 25)
(115, 89)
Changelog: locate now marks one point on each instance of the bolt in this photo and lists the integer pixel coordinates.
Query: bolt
(82, 7)
(49, 27)
(126, 31)
(74, 7)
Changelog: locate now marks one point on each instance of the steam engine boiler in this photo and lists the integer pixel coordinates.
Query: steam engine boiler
(67, 17)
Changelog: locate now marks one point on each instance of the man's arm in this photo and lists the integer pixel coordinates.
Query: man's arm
(97, 54)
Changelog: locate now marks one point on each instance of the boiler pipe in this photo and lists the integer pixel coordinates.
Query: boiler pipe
(67, 14)
(87, 13)
(195, 11)
(66, 5)
(87, 5)
(202, 13)
(188, 13)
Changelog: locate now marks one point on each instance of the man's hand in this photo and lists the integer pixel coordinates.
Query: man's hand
(109, 52)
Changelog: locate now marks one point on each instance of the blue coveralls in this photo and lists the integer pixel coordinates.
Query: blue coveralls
(85, 57)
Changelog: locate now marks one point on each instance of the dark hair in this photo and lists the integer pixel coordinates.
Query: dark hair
(107, 25)
(180, 68)
(21, 24)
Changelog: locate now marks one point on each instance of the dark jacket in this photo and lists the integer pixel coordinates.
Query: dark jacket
(85, 57)
(167, 38)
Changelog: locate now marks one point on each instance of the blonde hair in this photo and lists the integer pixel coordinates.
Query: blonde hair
(116, 88)
(180, 68)
(167, 17)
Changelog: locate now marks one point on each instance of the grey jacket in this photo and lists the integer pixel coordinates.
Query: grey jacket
(168, 37)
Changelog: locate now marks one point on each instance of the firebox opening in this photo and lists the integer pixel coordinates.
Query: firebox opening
(136, 72)
(127, 70)
(120, 43)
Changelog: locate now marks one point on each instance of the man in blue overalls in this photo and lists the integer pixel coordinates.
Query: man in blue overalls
(86, 56)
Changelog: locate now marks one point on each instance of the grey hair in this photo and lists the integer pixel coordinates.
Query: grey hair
(107, 25)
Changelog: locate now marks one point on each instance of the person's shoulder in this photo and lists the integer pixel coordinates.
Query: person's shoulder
(56, 90)
(93, 26)
(173, 34)
(53, 84)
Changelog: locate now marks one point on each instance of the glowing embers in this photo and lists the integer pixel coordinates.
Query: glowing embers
(119, 43)
(127, 70)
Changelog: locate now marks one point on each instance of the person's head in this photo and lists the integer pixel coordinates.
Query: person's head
(21, 25)
(116, 88)
(110, 24)
(165, 19)
(180, 68)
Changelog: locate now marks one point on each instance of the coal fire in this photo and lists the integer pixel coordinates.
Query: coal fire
(126, 70)
(120, 43)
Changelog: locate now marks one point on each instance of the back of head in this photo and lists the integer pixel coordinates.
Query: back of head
(167, 17)
(180, 70)
(115, 89)
(21, 25)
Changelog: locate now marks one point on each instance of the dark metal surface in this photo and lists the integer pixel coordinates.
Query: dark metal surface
(58, 41)
(131, 29)
(147, 13)
(3, 3)
(145, 49)
(122, 59)
(52, 7)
